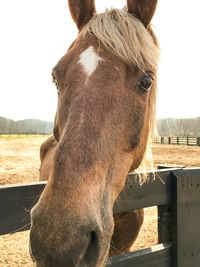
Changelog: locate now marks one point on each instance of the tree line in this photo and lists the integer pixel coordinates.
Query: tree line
(25, 126)
(166, 127)
(179, 127)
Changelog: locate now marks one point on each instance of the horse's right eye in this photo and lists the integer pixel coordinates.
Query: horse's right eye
(146, 82)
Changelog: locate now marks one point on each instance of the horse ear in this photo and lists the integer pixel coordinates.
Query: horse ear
(142, 9)
(81, 11)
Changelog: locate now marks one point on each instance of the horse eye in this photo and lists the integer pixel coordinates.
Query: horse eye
(146, 82)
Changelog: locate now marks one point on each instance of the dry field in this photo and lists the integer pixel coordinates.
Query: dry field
(19, 162)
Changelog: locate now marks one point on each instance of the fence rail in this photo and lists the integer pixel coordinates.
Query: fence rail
(177, 140)
(23, 134)
(176, 192)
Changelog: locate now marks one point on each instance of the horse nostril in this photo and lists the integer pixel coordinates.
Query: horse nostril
(93, 249)
(93, 239)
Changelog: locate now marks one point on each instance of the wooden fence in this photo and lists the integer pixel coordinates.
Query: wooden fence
(23, 134)
(176, 140)
(176, 192)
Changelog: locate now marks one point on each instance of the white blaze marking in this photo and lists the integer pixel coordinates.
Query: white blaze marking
(89, 60)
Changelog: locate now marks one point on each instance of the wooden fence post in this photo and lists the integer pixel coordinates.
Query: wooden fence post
(164, 219)
(186, 218)
(198, 141)
(177, 140)
(188, 141)
(165, 214)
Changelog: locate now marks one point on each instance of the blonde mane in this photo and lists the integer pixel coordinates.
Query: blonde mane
(126, 37)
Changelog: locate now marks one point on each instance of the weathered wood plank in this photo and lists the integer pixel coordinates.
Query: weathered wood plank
(17, 200)
(15, 204)
(181, 188)
(159, 255)
(186, 234)
(156, 192)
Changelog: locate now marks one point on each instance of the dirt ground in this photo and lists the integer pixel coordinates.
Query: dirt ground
(19, 162)
(188, 156)
(19, 159)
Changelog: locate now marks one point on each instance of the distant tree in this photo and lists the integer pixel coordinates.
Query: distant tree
(25, 126)
(179, 127)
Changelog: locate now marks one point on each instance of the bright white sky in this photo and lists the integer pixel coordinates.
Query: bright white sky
(34, 34)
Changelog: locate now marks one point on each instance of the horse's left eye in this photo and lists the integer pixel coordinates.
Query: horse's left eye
(146, 82)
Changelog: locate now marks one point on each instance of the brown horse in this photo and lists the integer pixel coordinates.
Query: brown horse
(106, 86)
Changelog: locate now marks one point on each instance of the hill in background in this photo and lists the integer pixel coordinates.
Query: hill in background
(25, 126)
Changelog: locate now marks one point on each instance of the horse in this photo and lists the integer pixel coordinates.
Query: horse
(106, 85)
